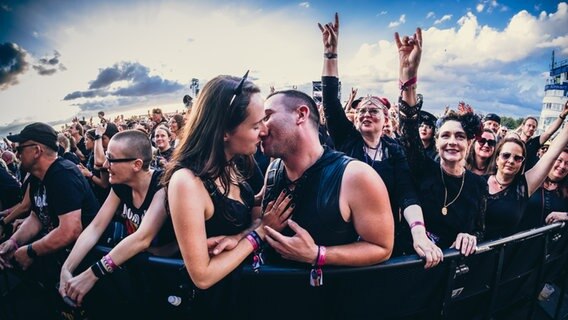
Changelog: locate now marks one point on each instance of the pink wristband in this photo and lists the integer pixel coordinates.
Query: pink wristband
(417, 223)
(253, 242)
(110, 263)
(321, 256)
(408, 83)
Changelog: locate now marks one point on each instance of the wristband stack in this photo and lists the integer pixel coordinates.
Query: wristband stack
(103, 267)
(256, 243)
(316, 274)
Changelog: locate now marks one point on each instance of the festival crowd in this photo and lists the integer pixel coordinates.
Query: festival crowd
(243, 177)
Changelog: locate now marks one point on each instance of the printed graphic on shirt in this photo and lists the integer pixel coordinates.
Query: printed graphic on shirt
(131, 219)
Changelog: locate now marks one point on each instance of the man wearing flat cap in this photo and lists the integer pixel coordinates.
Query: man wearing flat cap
(62, 204)
(492, 122)
(427, 131)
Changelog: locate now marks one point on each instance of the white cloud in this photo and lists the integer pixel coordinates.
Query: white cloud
(474, 62)
(382, 13)
(430, 14)
(304, 4)
(479, 7)
(446, 17)
(400, 21)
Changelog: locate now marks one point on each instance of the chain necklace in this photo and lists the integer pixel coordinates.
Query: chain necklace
(446, 205)
(501, 185)
(378, 153)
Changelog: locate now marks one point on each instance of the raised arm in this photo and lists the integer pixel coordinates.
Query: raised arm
(555, 125)
(339, 127)
(410, 53)
(535, 176)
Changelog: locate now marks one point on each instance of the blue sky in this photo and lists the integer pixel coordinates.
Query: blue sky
(59, 59)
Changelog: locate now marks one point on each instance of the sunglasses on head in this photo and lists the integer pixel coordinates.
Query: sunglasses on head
(489, 142)
(507, 155)
(239, 89)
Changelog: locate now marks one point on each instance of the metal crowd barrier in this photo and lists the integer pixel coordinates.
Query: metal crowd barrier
(501, 281)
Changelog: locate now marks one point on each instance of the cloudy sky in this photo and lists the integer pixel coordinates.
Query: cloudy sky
(59, 59)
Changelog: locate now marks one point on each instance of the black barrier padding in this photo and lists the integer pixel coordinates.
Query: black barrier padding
(471, 290)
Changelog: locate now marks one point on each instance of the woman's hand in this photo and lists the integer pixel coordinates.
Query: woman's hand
(218, 244)
(409, 52)
(465, 243)
(276, 214)
(425, 248)
(556, 216)
(76, 288)
(330, 33)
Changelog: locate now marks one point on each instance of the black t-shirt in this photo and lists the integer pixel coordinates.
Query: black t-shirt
(132, 216)
(505, 209)
(9, 189)
(63, 189)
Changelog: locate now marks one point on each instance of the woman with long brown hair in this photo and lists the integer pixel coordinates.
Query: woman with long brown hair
(209, 199)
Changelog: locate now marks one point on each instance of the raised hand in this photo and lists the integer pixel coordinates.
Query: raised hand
(330, 33)
(410, 53)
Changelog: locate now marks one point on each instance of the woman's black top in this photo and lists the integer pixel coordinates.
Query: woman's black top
(393, 168)
(505, 209)
(541, 203)
(467, 213)
(230, 217)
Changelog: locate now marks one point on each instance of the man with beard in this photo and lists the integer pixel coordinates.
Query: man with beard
(342, 213)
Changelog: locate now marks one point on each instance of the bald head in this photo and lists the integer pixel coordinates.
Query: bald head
(135, 144)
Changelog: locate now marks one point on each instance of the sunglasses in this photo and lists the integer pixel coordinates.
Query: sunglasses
(19, 149)
(489, 142)
(372, 111)
(239, 89)
(506, 155)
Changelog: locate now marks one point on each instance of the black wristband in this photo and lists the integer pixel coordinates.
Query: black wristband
(330, 55)
(31, 252)
(97, 137)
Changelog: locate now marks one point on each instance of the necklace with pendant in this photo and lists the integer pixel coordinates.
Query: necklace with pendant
(446, 205)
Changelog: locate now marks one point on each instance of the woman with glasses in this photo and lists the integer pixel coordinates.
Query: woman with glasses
(136, 200)
(510, 187)
(452, 197)
(364, 140)
(211, 205)
(481, 152)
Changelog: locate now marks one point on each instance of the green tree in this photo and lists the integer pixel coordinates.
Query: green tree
(510, 122)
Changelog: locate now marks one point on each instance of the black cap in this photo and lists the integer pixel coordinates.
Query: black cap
(39, 132)
(355, 103)
(428, 118)
(111, 130)
(493, 117)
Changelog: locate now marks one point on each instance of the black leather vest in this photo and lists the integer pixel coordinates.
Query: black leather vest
(316, 197)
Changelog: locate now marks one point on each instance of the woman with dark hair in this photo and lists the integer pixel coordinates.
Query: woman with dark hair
(510, 187)
(427, 131)
(452, 197)
(549, 203)
(365, 140)
(209, 199)
(481, 152)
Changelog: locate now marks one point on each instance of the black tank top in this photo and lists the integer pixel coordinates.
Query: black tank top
(316, 197)
(230, 216)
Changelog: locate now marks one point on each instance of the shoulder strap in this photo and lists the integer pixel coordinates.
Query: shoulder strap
(272, 172)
